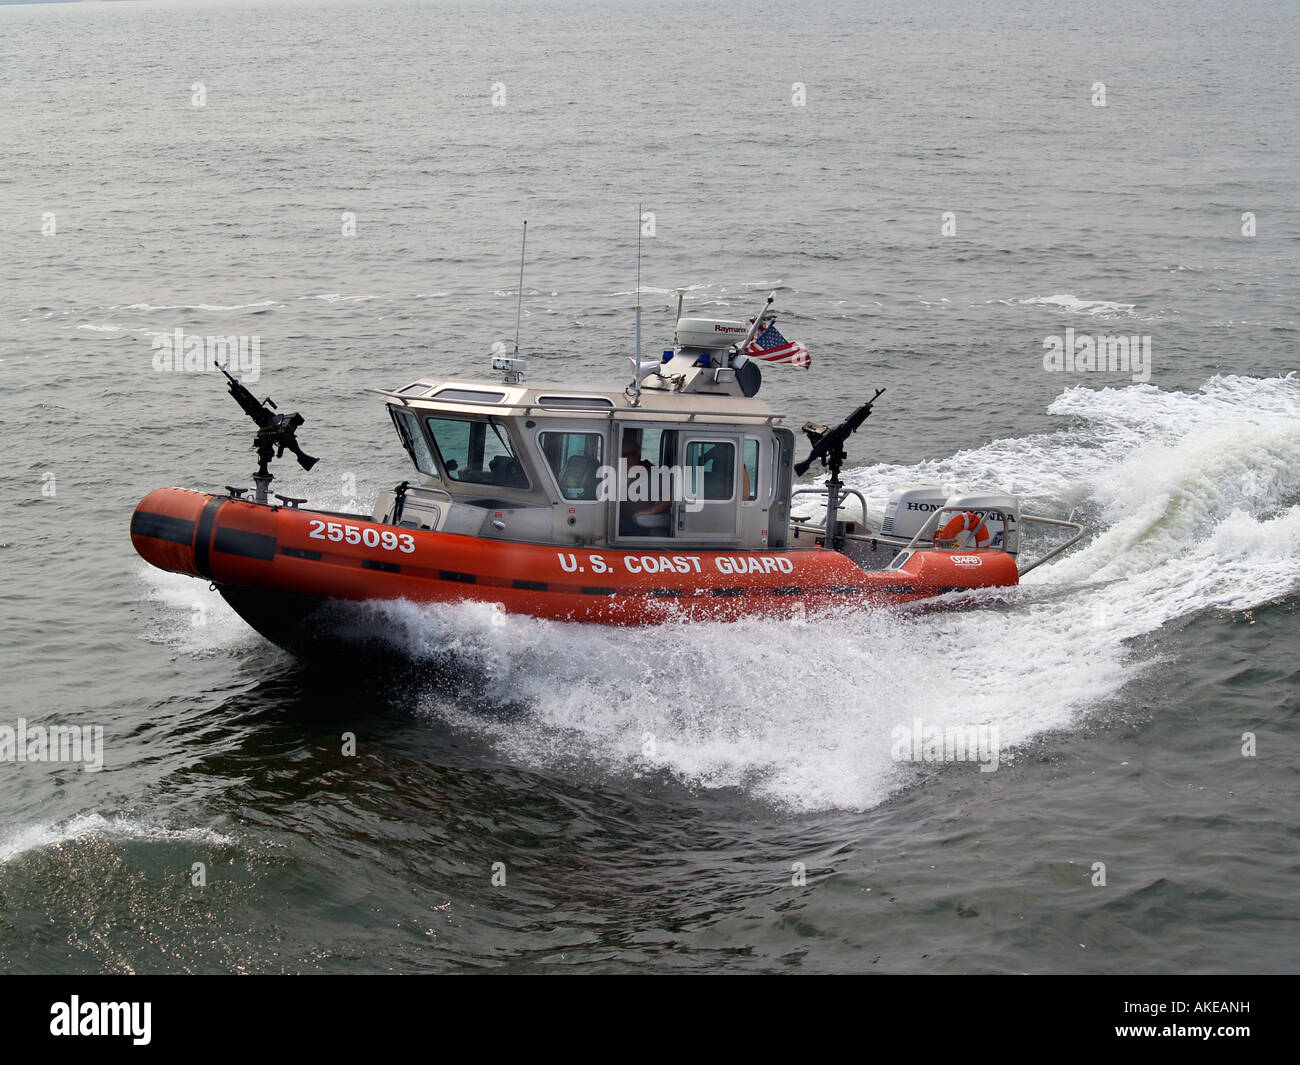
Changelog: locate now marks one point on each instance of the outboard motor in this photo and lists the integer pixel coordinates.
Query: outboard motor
(909, 507)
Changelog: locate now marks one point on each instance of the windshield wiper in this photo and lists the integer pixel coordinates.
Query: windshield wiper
(502, 440)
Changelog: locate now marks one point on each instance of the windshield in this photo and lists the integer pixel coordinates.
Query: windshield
(416, 446)
(476, 451)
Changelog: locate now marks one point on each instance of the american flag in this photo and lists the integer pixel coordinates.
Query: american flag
(771, 346)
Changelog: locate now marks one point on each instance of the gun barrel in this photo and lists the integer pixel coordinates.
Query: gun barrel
(831, 442)
(247, 401)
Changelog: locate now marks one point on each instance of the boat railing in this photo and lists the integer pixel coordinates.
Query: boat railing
(931, 524)
(822, 490)
(1064, 523)
(606, 412)
(431, 490)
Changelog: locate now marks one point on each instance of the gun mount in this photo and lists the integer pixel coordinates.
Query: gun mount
(828, 445)
(276, 434)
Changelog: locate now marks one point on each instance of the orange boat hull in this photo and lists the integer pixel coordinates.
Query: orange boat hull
(258, 552)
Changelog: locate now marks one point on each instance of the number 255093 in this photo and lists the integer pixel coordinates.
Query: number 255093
(353, 534)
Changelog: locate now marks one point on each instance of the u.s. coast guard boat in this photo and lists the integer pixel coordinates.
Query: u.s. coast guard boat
(672, 498)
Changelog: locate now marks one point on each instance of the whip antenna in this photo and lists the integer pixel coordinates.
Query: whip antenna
(512, 368)
(640, 370)
(519, 308)
(638, 286)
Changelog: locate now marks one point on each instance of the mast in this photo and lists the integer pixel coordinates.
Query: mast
(519, 307)
(638, 288)
(639, 369)
(513, 367)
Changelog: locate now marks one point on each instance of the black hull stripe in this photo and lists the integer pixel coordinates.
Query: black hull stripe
(245, 544)
(908, 589)
(264, 548)
(162, 527)
(203, 540)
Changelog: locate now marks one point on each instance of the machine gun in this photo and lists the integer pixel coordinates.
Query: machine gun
(276, 433)
(828, 445)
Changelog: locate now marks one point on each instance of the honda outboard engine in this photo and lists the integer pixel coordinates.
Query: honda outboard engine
(909, 507)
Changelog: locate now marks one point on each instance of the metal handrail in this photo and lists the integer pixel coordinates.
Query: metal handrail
(933, 521)
(608, 413)
(431, 489)
(823, 491)
(1079, 531)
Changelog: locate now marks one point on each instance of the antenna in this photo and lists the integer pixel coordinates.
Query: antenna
(681, 295)
(640, 370)
(639, 216)
(513, 368)
(519, 309)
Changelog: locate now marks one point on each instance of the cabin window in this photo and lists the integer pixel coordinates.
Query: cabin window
(468, 395)
(476, 451)
(654, 445)
(751, 469)
(575, 460)
(711, 469)
(416, 445)
(574, 403)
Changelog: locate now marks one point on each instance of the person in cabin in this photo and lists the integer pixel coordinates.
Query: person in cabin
(629, 510)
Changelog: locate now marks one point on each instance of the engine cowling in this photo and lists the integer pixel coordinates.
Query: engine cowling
(909, 507)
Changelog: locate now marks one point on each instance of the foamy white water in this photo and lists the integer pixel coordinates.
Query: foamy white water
(191, 617)
(1075, 305)
(21, 839)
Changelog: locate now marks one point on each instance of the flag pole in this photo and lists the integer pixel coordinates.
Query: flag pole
(739, 349)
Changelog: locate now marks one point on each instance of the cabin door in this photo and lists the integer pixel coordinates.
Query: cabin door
(709, 507)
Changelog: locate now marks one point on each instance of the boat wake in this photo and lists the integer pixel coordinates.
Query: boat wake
(1196, 502)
